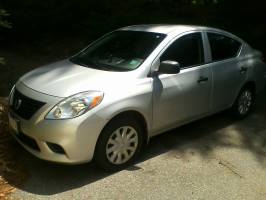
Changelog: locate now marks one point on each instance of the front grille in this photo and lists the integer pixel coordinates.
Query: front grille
(24, 106)
(28, 141)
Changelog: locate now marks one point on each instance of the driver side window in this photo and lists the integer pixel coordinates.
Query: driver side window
(187, 50)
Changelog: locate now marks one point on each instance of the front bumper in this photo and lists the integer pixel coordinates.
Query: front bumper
(66, 141)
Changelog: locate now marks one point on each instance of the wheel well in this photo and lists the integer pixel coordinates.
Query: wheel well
(135, 115)
(251, 85)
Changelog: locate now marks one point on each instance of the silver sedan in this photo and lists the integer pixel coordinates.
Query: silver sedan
(107, 101)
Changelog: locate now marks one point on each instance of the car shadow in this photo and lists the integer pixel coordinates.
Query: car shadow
(201, 137)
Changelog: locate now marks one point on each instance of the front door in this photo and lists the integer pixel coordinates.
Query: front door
(178, 98)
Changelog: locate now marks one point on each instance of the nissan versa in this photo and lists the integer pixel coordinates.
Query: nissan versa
(105, 102)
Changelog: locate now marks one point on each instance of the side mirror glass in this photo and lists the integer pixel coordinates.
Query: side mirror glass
(169, 67)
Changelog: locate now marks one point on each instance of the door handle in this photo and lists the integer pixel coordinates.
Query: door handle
(203, 79)
(243, 70)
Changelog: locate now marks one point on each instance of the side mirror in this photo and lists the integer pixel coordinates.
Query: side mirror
(169, 67)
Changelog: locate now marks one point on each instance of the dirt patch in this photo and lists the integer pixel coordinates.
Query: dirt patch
(11, 174)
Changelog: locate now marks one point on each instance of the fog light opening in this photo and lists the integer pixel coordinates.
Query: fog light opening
(55, 148)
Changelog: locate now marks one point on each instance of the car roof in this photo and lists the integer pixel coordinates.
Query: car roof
(168, 28)
(177, 29)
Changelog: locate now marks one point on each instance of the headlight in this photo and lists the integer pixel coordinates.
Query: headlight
(75, 105)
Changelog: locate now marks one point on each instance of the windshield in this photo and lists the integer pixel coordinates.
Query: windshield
(119, 51)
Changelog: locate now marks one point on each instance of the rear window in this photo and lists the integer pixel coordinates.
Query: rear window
(223, 47)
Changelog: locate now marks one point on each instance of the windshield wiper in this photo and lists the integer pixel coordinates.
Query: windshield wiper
(87, 63)
(96, 65)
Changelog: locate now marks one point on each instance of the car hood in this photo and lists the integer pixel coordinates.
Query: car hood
(64, 78)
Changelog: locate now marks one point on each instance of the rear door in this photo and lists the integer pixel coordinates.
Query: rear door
(229, 73)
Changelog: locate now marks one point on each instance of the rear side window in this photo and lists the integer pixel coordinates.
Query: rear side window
(223, 47)
(187, 50)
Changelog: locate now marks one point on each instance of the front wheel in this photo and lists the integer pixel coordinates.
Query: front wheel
(244, 102)
(119, 144)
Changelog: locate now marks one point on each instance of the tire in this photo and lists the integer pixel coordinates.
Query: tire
(244, 102)
(119, 144)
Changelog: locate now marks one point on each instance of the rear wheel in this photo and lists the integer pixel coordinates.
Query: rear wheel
(244, 102)
(119, 144)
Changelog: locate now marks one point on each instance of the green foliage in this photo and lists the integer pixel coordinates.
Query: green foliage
(2, 61)
(35, 21)
(5, 24)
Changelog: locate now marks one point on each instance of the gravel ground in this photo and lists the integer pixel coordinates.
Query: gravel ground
(10, 170)
(214, 158)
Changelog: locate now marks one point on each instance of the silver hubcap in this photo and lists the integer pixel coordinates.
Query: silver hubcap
(122, 145)
(245, 102)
